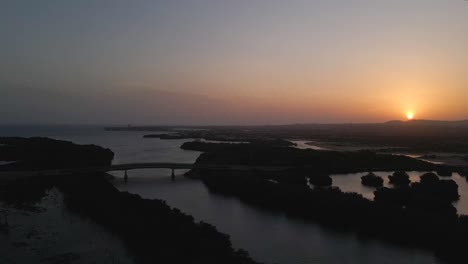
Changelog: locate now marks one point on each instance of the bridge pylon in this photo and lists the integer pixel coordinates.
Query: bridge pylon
(125, 176)
(172, 174)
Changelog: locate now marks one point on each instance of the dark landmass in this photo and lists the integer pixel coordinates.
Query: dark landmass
(431, 186)
(444, 172)
(307, 161)
(25, 192)
(425, 222)
(416, 215)
(209, 146)
(399, 178)
(403, 136)
(152, 231)
(372, 180)
(44, 153)
(223, 137)
(320, 180)
(430, 193)
(220, 135)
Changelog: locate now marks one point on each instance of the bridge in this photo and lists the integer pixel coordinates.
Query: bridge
(11, 175)
(187, 166)
(182, 166)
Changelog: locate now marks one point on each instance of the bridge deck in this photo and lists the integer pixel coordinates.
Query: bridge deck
(11, 175)
(14, 175)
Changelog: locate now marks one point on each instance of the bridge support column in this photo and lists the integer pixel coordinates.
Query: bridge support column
(125, 176)
(172, 174)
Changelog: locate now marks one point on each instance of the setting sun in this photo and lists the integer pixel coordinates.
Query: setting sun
(409, 115)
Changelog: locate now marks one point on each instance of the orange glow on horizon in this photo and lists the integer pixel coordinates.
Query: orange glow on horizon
(410, 115)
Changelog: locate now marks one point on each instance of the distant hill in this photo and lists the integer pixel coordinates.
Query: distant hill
(391, 123)
(422, 122)
(460, 123)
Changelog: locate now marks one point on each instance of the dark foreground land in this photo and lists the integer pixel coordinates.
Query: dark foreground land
(414, 215)
(152, 231)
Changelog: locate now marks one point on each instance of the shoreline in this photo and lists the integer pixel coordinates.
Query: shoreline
(151, 230)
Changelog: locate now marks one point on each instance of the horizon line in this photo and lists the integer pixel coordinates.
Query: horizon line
(119, 125)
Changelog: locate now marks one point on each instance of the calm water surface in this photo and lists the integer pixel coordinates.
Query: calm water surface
(54, 234)
(269, 237)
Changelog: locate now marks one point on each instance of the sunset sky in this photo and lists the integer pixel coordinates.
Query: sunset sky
(232, 62)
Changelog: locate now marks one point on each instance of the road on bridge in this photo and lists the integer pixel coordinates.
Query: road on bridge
(13, 175)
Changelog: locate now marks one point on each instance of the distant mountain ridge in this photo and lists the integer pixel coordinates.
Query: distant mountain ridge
(424, 122)
(391, 123)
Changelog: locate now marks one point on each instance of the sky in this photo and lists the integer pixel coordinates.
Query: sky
(232, 62)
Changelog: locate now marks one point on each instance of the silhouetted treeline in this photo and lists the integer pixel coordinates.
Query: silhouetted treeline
(399, 178)
(308, 160)
(209, 146)
(153, 232)
(429, 191)
(25, 192)
(419, 221)
(223, 135)
(46, 153)
(418, 214)
(320, 180)
(372, 180)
